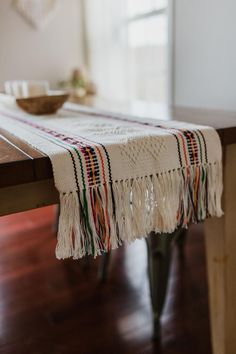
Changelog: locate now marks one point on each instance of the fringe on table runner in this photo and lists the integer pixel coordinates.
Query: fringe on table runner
(101, 218)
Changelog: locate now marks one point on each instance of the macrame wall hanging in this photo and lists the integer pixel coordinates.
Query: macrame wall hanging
(36, 12)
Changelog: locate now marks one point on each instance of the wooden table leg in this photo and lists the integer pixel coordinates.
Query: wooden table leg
(220, 237)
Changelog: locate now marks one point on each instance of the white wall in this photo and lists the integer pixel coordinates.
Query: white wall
(205, 53)
(51, 53)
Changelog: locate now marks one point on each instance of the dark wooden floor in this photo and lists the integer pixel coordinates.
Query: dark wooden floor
(52, 307)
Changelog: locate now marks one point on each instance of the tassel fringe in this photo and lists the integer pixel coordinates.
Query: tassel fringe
(97, 220)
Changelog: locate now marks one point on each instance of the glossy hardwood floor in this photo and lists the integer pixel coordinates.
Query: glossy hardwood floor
(53, 307)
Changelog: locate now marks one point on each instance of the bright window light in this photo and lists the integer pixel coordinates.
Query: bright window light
(136, 7)
(150, 31)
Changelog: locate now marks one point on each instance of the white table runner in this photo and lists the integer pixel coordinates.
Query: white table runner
(121, 178)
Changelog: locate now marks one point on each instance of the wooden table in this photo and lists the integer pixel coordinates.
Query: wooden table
(26, 183)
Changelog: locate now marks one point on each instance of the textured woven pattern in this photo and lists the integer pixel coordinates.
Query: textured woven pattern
(121, 178)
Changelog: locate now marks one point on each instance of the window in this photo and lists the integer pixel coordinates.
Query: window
(128, 48)
(147, 30)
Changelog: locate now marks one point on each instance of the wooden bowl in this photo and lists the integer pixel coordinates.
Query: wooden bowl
(40, 105)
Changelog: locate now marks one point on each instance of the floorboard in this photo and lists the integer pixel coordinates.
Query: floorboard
(58, 307)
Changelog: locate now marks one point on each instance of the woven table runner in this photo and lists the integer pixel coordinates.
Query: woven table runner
(119, 178)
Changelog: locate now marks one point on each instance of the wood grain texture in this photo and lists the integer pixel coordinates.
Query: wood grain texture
(20, 163)
(27, 196)
(48, 104)
(221, 260)
(24, 166)
(58, 307)
(17, 168)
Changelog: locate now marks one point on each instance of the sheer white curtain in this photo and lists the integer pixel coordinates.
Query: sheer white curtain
(107, 46)
(127, 48)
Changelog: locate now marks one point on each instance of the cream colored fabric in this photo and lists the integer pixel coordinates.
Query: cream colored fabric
(121, 178)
